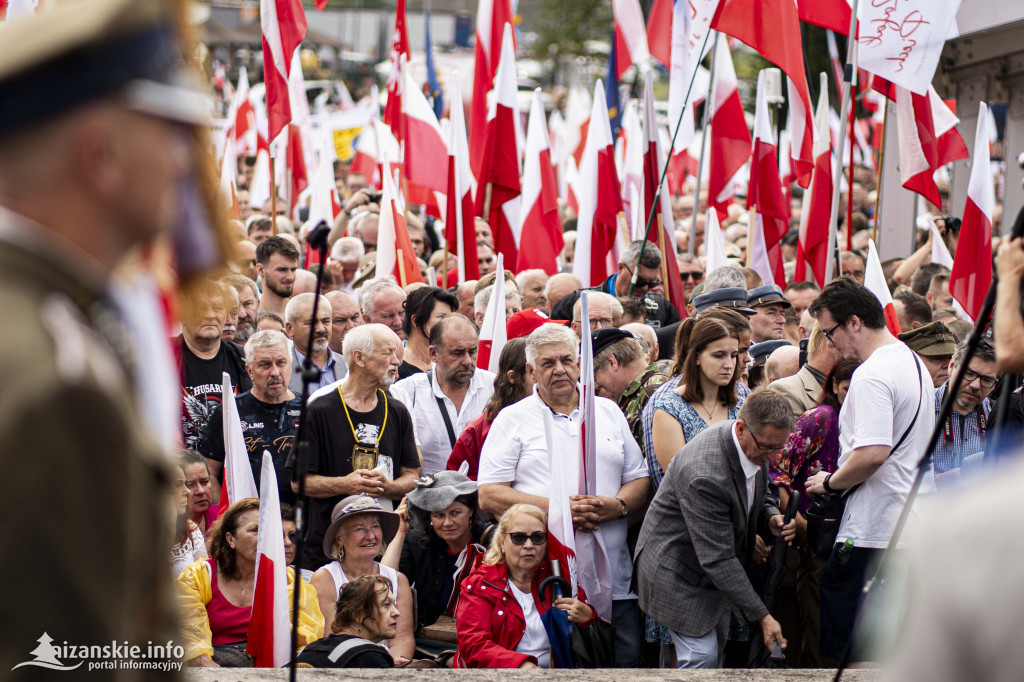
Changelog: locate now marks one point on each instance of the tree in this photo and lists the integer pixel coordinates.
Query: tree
(563, 28)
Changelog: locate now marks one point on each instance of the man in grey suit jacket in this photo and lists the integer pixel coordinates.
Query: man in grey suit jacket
(698, 535)
(803, 388)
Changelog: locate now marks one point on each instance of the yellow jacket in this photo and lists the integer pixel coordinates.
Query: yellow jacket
(195, 592)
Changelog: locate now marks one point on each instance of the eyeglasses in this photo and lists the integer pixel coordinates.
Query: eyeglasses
(538, 538)
(986, 381)
(292, 536)
(765, 449)
(828, 333)
(642, 282)
(695, 276)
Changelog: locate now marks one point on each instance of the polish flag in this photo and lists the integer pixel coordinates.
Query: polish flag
(600, 198)
(395, 255)
(874, 281)
(561, 534)
(972, 266)
(630, 35)
(460, 233)
(238, 481)
(541, 230)
(498, 181)
(928, 140)
(559, 153)
(399, 53)
(656, 199)
(491, 17)
(659, 31)
(595, 569)
(816, 212)
(831, 14)
(283, 24)
(772, 28)
(295, 167)
(801, 137)
(729, 136)
(425, 152)
(714, 243)
(770, 211)
(690, 24)
(376, 146)
(629, 161)
(577, 121)
(325, 204)
(269, 641)
(493, 334)
(242, 116)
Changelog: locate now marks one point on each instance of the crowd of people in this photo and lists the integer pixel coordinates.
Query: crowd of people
(428, 477)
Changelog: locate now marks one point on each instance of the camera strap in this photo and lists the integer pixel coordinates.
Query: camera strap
(444, 410)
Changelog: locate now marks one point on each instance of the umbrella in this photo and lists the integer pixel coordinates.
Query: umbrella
(556, 621)
(759, 656)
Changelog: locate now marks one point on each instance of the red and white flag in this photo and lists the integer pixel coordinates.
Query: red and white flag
(325, 204)
(972, 265)
(595, 568)
(396, 85)
(600, 198)
(630, 35)
(491, 17)
(459, 230)
(542, 229)
(654, 163)
(659, 31)
(928, 140)
(270, 641)
(690, 23)
(801, 137)
(772, 28)
(425, 154)
(770, 210)
(283, 23)
(874, 281)
(238, 480)
(296, 169)
(395, 255)
(561, 534)
(242, 117)
(816, 211)
(577, 121)
(831, 14)
(729, 146)
(497, 176)
(714, 243)
(493, 334)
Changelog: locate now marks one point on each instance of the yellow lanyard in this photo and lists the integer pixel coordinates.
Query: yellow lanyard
(349, 417)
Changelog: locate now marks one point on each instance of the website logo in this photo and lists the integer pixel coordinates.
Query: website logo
(113, 656)
(46, 656)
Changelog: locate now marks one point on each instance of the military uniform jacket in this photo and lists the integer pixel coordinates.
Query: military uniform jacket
(86, 514)
(697, 538)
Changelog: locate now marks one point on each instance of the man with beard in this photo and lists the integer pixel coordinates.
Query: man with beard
(203, 357)
(269, 413)
(277, 259)
(360, 440)
(345, 316)
(248, 305)
(964, 430)
(299, 325)
(444, 399)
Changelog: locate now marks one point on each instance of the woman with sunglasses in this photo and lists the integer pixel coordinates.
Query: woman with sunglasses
(498, 617)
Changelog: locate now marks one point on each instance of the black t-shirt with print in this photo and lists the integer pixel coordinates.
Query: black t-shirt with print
(264, 427)
(201, 387)
(330, 454)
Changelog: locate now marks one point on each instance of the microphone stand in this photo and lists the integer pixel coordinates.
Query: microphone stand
(923, 466)
(317, 238)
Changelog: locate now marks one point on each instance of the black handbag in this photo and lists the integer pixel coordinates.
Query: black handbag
(826, 511)
(593, 646)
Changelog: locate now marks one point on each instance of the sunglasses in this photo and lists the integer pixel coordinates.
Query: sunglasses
(695, 276)
(538, 538)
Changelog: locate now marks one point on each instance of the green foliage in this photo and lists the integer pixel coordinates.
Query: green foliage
(564, 27)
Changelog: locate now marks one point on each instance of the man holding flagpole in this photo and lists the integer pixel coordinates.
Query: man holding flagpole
(515, 468)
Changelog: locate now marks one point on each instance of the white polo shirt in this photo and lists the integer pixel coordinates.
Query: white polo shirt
(420, 395)
(516, 450)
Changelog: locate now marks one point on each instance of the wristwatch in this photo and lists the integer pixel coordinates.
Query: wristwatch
(825, 484)
(625, 509)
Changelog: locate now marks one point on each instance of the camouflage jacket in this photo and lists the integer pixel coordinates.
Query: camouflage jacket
(634, 398)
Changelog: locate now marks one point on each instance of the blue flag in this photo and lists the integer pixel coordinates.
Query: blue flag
(611, 91)
(433, 84)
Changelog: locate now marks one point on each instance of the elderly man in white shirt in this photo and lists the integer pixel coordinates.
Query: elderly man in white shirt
(514, 467)
(445, 399)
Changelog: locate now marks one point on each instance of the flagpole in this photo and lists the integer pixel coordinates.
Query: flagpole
(878, 181)
(704, 135)
(664, 260)
(401, 266)
(273, 197)
(664, 170)
(849, 184)
(849, 75)
(751, 220)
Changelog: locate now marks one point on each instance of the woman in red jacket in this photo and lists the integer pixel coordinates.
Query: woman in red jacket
(498, 616)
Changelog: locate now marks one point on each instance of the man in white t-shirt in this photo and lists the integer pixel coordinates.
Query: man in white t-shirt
(514, 467)
(884, 430)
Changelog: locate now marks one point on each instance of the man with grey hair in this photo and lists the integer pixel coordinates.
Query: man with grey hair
(248, 305)
(383, 302)
(345, 315)
(299, 325)
(531, 284)
(725, 277)
(645, 332)
(599, 309)
(344, 261)
(515, 467)
(624, 372)
(360, 439)
(640, 258)
(453, 384)
(269, 413)
(966, 426)
(699, 533)
(513, 303)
